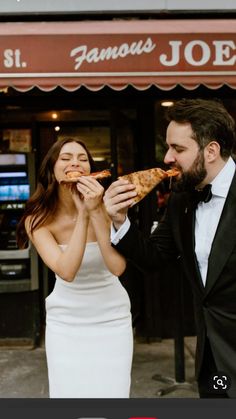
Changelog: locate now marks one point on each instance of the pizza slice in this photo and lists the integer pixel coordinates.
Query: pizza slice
(72, 177)
(146, 180)
(173, 172)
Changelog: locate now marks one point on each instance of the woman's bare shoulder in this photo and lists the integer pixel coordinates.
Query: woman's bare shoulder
(35, 222)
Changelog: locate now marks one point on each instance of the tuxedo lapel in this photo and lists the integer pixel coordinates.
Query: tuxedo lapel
(188, 239)
(224, 240)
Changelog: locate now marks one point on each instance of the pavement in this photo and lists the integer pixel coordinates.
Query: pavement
(24, 371)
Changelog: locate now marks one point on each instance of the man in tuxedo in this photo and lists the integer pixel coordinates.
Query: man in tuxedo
(198, 228)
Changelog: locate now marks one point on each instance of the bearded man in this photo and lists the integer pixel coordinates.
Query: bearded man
(199, 228)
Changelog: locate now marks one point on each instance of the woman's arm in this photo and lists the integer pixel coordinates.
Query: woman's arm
(115, 262)
(67, 262)
(93, 195)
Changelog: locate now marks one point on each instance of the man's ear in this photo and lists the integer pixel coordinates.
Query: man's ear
(212, 151)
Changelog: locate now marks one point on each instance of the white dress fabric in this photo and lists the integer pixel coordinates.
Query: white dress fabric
(89, 341)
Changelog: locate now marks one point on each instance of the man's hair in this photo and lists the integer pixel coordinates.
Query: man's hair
(209, 120)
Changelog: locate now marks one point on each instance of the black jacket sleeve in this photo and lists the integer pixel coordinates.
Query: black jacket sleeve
(149, 254)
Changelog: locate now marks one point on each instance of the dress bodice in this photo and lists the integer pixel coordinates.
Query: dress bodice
(93, 271)
(94, 295)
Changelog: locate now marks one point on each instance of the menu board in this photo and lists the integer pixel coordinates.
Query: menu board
(17, 140)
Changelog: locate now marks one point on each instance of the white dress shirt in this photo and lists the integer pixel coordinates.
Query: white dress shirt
(116, 235)
(207, 218)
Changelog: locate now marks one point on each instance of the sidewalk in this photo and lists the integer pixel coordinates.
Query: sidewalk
(157, 359)
(24, 372)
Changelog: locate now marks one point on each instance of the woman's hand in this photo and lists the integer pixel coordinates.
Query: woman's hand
(92, 192)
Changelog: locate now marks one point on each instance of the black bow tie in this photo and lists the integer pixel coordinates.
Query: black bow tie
(202, 195)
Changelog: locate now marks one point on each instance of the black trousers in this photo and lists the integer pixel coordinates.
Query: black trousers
(205, 380)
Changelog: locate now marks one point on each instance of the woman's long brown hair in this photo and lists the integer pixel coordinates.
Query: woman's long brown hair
(43, 203)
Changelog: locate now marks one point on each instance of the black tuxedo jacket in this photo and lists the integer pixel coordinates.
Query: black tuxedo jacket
(215, 304)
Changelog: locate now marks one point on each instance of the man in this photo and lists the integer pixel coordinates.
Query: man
(200, 139)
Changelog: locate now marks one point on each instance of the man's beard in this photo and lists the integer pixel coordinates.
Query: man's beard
(193, 177)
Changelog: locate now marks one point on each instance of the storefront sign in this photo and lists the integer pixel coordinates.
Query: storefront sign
(75, 54)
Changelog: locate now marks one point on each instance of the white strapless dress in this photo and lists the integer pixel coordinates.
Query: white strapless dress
(89, 341)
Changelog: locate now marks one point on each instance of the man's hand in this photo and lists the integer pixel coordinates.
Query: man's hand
(117, 199)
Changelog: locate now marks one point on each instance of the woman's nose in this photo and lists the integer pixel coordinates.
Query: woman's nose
(75, 162)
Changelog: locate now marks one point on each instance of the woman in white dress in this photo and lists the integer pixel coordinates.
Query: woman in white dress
(89, 342)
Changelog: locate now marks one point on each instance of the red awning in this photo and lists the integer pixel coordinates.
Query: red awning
(140, 53)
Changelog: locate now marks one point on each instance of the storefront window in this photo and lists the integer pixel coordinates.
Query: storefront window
(163, 189)
(160, 132)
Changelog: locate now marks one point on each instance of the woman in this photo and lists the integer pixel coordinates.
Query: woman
(88, 322)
